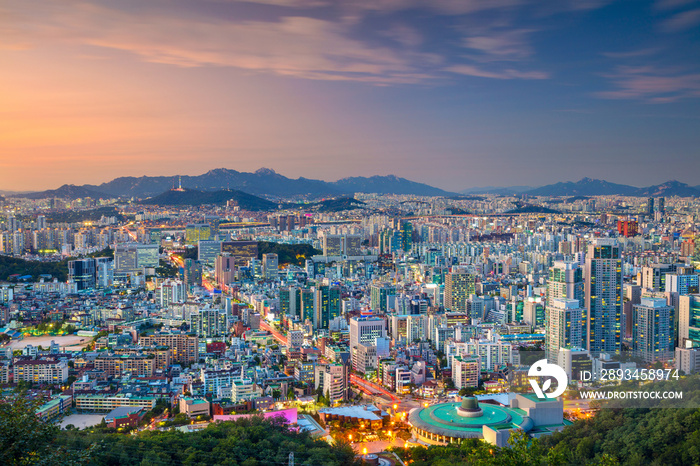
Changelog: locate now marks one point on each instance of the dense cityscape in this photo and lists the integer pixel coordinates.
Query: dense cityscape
(386, 322)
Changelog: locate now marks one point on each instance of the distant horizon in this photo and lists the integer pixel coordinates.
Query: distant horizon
(491, 186)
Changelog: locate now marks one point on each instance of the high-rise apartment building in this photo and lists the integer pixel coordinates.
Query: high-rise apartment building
(689, 321)
(459, 284)
(379, 293)
(208, 323)
(654, 276)
(224, 269)
(683, 281)
(564, 328)
(466, 371)
(652, 335)
(603, 297)
(184, 348)
(565, 281)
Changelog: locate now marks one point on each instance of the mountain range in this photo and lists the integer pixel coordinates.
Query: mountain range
(264, 182)
(591, 187)
(271, 185)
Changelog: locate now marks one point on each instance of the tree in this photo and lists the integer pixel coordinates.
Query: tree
(25, 439)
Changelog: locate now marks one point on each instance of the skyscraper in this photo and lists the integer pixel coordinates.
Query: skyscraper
(407, 236)
(290, 301)
(193, 274)
(82, 272)
(459, 284)
(603, 297)
(270, 266)
(327, 305)
(307, 304)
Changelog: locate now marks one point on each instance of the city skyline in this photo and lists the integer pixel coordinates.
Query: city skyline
(451, 94)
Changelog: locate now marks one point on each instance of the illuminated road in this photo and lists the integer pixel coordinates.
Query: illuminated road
(577, 404)
(371, 388)
(275, 334)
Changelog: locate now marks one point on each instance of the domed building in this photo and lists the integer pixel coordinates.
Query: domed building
(445, 423)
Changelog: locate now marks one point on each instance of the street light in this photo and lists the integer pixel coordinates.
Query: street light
(364, 451)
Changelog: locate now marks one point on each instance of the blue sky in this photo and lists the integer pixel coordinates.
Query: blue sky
(453, 93)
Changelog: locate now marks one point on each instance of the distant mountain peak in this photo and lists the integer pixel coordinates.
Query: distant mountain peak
(387, 184)
(220, 171)
(265, 171)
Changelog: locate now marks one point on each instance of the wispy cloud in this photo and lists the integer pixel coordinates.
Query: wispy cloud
(470, 70)
(440, 6)
(633, 53)
(682, 21)
(298, 46)
(295, 46)
(650, 84)
(498, 52)
(512, 44)
(404, 35)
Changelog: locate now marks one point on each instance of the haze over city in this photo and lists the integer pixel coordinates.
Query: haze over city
(455, 94)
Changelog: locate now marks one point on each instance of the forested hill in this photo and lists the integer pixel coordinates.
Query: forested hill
(288, 253)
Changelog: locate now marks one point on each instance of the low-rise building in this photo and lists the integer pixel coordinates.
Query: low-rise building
(95, 402)
(194, 407)
(366, 416)
(124, 416)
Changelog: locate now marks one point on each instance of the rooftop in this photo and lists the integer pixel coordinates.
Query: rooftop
(444, 419)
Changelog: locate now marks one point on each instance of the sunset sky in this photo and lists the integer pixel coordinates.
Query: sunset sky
(453, 93)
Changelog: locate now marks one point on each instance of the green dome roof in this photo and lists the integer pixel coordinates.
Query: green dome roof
(470, 403)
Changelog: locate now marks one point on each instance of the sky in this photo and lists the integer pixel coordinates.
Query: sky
(453, 93)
